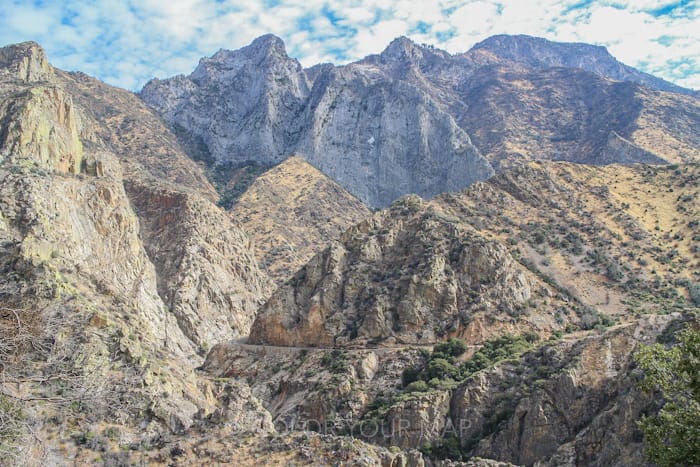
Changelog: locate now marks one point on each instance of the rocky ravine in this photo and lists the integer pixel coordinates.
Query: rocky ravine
(207, 274)
(415, 119)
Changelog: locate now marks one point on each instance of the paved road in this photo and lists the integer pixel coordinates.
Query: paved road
(242, 342)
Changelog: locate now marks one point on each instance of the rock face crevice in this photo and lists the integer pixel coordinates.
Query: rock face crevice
(207, 273)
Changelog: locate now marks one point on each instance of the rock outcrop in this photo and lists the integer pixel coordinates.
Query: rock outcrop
(409, 274)
(313, 389)
(551, 407)
(25, 62)
(207, 272)
(258, 120)
(43, 130)
(420, 271)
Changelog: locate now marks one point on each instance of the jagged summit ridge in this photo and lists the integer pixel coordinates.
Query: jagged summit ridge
(265, 51)
(404, 49)
(543, 53)
(240, 104)
(415, 119)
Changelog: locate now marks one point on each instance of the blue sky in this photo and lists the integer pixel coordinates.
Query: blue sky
(127, 42)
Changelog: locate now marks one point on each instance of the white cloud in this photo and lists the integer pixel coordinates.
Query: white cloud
(128, 42)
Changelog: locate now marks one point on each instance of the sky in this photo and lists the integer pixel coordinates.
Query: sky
(127, 42)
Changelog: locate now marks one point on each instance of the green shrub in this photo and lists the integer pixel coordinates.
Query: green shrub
(418, 386)
(335, 361)
(441, 368)
(12, 420)
(673, 436)
(449, 447)
(494, 351)
(452, 348)
(694, 291)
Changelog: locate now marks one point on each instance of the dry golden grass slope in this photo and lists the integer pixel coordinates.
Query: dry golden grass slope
(292, 211)
(623, 239)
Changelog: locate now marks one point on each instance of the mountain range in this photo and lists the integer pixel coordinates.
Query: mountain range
(418, 258)
(415, 119)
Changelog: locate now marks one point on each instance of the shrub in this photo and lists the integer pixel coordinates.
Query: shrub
(672, 436)
(452, 348)
(418, 386)
(694, 291)
(12, 424)
(440, 368)
(446, 448)
(494, 351)
(335, 361)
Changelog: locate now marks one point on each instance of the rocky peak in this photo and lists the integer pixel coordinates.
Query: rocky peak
(267, 44)
(25, 61)
(415, 119)
(402, 48)
(542, 53)
(240, 104)
(260, 49)
(408, 274)
(267, 52)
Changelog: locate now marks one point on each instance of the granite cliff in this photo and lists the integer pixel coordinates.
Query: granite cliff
(415, 119)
